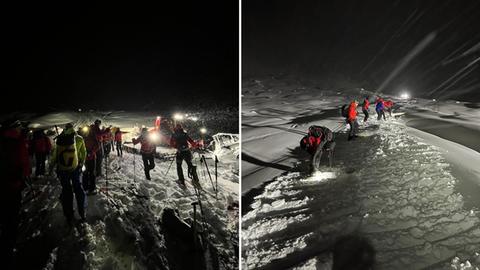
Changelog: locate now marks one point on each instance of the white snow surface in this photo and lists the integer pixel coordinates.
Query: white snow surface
(404, 189)
(122, 230)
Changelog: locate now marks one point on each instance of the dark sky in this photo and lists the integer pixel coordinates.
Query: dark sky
(134, 58)
(430, 48)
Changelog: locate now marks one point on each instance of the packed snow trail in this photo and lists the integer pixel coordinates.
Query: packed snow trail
(122, 229)
(388, 185)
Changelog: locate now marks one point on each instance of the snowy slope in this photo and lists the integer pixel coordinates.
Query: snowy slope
(408, 189)
(124, 229)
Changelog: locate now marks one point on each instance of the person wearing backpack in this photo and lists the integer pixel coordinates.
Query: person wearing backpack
(40, 146)
(69, 156)
(14, 169)
(182, 142)
(317, 140)
(352, 119)
(147, 150)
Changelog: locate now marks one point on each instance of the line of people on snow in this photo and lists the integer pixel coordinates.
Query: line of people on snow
(68, 153)
(320, 139)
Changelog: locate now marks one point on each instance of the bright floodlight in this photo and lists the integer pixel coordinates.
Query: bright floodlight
(154, 137)
(178, 117)
(405, 95)
(85, 129)
(203, 130)
(195, 119)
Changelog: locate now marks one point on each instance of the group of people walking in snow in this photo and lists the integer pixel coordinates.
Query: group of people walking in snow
(320, 139)
(76, 157)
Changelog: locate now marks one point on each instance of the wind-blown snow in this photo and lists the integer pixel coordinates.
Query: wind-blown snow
(396, 185)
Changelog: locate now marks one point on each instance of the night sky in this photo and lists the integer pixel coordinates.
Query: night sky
(430, 48)
(134, 58)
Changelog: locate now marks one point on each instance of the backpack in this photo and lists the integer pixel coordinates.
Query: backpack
(344, 110)
(67, 158)
(181, 140)
(319, 131)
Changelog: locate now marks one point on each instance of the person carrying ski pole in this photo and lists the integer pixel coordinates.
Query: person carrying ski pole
(92, 147)
(379, 108)
(365, 105)
(118, 142)
(95, 128)
(352, 119)
(68, 157)
(147, 151)
(317, 140)
(182, 142)
(14, 171)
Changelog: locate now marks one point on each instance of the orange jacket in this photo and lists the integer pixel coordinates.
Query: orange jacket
(352, 111)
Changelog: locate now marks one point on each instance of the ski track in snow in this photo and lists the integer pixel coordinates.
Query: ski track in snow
(394, 188)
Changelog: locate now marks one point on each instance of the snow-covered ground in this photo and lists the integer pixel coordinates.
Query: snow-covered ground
(409, 184)
(124, 227)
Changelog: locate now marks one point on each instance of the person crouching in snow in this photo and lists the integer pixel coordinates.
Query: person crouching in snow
(69, 156)
(388, 106)
(147, 150)
(317, 140)
(180, 140)
(352, 119)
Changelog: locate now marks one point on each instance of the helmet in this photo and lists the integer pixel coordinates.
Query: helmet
(97, 122)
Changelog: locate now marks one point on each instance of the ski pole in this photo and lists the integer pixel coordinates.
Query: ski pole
(208, 171)
(134, 171)
(169, 166)
(106, 174)
(216, 177)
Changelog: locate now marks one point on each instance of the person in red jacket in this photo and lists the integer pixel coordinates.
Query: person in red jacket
(388, 106)
(92, 146)
(365, 105)
(14, 169)
(147, 151)
(352, 119)
(95, 128)
(118, 142)
(41, 147)
(317, 140)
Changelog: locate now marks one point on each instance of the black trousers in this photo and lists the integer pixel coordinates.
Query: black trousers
(119, 149)
(366, 115)
(10, 203)
(181, 156)
(89, 178)
(40, 163)
(381, 113)
(72, 183)
(148, 163)
(353, 128)
(98, 163)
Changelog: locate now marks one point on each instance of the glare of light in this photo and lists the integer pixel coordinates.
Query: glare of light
(178, 117)
(154, 137)
(195, 119)
(404, 95)
(434, 100)
(85, 129)
(158, 117)
(79, 110)
(203, 130)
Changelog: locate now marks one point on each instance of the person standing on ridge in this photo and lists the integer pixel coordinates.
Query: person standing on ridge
(118, 142)
(41, 146)
(379, 108)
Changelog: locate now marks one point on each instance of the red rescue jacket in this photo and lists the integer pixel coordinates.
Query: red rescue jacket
(41, 145)
(352, 111)
(366, 104)
(15, 163)
(118, 136)
(312, 143)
